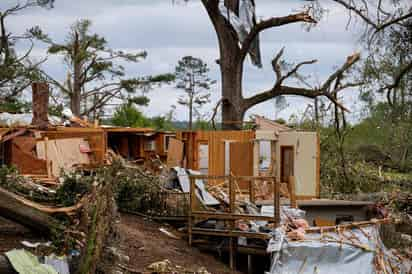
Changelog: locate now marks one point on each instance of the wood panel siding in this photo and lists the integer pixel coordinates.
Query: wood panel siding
(216, 145)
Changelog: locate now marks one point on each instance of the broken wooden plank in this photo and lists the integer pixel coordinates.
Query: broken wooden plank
(13, 135)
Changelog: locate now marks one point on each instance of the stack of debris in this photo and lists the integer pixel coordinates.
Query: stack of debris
(350, 248)
(83, 232)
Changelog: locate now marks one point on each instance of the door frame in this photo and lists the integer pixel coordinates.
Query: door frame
(282, 148)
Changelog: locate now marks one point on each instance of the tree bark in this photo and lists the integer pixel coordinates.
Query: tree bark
(231, 67)
(75, 98)
(16, 209)
(232, 57)
(40, 103)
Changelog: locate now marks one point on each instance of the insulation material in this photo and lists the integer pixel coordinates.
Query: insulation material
(63, 153)
(243, 24)
(357, 250)
(22, 120)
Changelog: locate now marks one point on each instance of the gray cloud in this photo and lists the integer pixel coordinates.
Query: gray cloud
(169, 32)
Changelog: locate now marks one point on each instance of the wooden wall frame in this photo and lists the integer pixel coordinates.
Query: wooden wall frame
(282, 148)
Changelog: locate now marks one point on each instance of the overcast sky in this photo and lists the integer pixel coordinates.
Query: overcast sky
(168, 32)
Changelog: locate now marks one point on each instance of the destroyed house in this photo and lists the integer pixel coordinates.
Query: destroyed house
(47, 152)
(270, 150)
(138, 143)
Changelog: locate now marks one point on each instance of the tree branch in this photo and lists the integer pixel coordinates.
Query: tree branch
(324, 90)
(362, 13)
(271, 23)
(398, 78)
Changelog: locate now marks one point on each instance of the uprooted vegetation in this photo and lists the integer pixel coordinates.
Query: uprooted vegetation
(83, 210)
(81, 215)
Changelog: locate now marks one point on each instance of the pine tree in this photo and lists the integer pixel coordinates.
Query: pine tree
(95, 78)
(192, 77)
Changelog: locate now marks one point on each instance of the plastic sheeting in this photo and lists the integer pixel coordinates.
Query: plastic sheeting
(243, 24)
(21, 120)
(26, 263)
(351, 251)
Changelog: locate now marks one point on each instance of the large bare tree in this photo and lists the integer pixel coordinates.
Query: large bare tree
(237, 41)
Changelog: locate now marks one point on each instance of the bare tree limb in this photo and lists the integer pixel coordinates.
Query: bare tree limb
(324, 90)
(212, 119)
(363, 14)
(273, 22)
(398, 78)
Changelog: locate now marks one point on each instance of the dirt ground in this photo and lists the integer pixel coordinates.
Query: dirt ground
(145, 244)
(11, 235)
(142, 242)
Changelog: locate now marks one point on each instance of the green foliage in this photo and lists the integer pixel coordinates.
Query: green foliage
(192, 77)
(95, 74)
(127, 115)
(161, 123)
(12, 181)
(202, 125)
(74, 186)
(17, 70)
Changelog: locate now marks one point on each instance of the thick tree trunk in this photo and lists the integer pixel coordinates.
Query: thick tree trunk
(232, 106)
(40, 105)
(18, 210)
(75, 102)
(231, 67)
(75, 98)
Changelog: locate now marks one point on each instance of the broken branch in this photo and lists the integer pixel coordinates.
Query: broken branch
(274, 22)
(325, 90)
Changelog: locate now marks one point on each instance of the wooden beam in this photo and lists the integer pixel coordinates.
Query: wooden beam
(292, 191)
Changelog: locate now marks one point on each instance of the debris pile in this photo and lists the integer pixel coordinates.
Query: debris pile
(79, 217)
(166, 266)
(350, 248)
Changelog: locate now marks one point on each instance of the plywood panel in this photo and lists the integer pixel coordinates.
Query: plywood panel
(216, 145)
(63, 154)
(26, 144)
(25, 162)
(241, 161)
(175, 155)
(95, 137)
